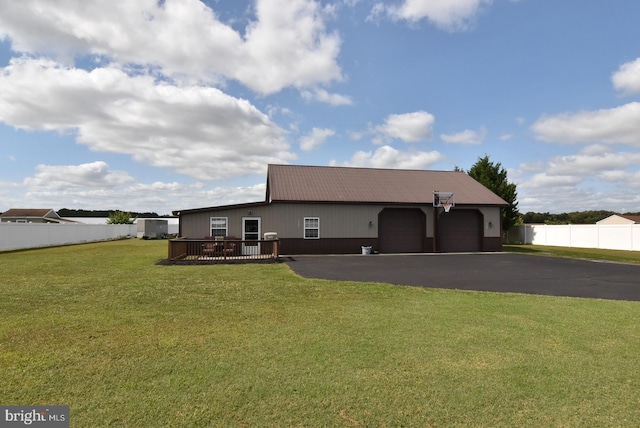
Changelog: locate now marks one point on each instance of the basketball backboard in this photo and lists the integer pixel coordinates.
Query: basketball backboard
(443, 200)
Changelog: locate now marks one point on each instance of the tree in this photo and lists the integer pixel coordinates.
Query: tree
(494, 178)
(576, 217)
(119, 217)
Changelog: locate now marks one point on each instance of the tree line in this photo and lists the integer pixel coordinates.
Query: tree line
(576, 217)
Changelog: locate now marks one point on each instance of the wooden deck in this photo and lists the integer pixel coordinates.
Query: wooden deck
(223, 250)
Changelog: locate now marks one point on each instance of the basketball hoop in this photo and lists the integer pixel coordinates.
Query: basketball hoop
(443, 200)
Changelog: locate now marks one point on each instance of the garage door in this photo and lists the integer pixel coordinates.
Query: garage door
(460, 230)
(401, 230)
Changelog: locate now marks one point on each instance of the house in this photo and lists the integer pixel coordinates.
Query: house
(620, 219)
(339, 210)
(32, 215)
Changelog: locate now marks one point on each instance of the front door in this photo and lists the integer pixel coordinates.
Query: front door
(251, 232)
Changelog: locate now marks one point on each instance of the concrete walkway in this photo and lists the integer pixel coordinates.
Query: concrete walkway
(498, 272)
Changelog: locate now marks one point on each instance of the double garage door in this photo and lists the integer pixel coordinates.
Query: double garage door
(403, 230)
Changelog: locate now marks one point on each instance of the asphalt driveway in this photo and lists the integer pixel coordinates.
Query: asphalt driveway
(498, 272)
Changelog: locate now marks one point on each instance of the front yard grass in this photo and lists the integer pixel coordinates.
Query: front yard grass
(125, 342)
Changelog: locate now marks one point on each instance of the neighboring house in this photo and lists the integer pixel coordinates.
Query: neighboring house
(620, 219)
(32, 215)
(338, 210)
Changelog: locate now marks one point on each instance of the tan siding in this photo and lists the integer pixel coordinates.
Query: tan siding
(336, 220)
(198, 225)
(194, 225)
(491, 215)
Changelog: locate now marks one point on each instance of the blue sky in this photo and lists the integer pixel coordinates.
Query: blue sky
(159, 106)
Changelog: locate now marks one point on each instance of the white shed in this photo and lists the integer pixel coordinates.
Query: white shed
(152, 228)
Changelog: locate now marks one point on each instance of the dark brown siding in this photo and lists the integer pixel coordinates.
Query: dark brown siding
(492, 244)
(460, 230)
(402, 230)
(290, 246)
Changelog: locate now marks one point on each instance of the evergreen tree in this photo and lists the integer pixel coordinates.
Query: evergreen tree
(494, 178)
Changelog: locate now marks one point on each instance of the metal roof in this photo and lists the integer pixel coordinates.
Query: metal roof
(294, 183)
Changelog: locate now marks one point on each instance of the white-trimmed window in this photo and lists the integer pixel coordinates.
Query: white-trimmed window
(219, 226)
(312, 228)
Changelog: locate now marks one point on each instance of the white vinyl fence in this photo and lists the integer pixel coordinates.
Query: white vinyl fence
(15, 236)
(609, 236)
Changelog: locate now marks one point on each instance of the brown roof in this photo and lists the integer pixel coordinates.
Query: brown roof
(49, 215)
(30, 212)
(633, 218)
(294, 183)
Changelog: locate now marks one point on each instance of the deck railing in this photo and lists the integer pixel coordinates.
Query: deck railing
(222, 250)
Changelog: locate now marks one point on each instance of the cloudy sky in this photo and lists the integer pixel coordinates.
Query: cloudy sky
(153, 105)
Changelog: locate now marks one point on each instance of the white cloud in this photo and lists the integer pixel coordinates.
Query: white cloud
(408, 127)
(388, 157)
(449, 15)
(323, 96)
(589, 164)
(623, 179)
(287, 43)
(465, 137)
(357, 135)
(316, 137)
(616, 125)
(289, 46)
(203, 197)
(95, 174)
(595, 150)
(547, 181)
(197, 131)
(95, 186)
(593, 178)
(627, 78)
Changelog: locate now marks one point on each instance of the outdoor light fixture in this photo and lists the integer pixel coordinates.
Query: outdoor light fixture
(490, 224)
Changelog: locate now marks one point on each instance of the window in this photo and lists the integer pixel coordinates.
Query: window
(311, 228)
(219, 226)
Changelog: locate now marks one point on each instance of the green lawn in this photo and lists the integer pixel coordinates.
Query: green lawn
(577, 253)
(125, 342)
